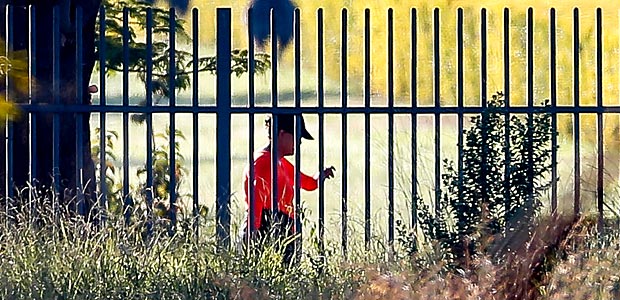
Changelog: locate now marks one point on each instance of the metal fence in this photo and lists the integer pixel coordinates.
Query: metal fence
(224, 110)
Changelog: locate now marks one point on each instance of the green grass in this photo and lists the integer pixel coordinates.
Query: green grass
(70, 259)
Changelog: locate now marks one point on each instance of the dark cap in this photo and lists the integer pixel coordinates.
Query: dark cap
(286, 122)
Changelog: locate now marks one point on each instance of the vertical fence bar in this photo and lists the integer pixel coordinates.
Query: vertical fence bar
(274, 118)
(321, 115)
(8, 123)
(390, 100)
(414, 118)
(554, 116)
(149, 120)
(484, 103)
(576, 115)
(367, 127)
(297, 135)
(172, 96)
(195, 143)
(297, 211)
(172, 72)
(251, 96)
(103, 189)
(460, 93)
(223, 124)
(530, 108)
(599, 117)
(343, 100)
(32, 73)
(79, 117)
(437, 101)
(507, 156)
(321, 102)
(56, 117)
(127, 201)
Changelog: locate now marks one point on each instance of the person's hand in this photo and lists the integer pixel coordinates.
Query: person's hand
(326, 174)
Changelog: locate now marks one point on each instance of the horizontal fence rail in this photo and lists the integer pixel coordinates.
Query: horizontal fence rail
(38, 106)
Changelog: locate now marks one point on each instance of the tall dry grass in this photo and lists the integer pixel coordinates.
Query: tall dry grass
(563, 259)
(59, 256)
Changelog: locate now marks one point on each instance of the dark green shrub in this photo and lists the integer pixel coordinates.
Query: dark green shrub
(492, 193)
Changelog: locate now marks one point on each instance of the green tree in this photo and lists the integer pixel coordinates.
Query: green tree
(161, 49)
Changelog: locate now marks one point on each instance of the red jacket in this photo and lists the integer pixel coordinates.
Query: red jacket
(262, 185)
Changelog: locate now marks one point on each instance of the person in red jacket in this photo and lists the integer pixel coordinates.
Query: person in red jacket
(264, 224)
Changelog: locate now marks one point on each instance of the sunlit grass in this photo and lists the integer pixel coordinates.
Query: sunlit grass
(69, 258)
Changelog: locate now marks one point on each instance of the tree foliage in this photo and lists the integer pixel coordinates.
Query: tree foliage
(184, 64)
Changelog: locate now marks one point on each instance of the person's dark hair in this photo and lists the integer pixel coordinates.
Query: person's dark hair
(286, 122)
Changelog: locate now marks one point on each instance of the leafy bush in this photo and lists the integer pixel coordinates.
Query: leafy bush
(491, 195)
(135, 205)
(113, 183)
